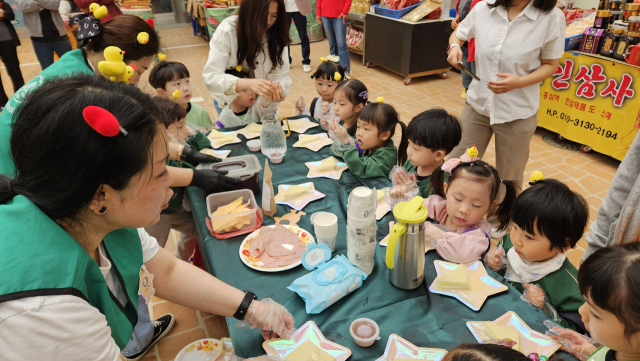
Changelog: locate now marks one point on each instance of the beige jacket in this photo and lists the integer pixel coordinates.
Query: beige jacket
(223, 55)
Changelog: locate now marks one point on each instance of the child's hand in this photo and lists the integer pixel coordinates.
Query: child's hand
(432, 233)
(495, 258)
(300, 104)
(326, 107)
(340, 134)
(534, 295)
(572, 342)
(278, 94)
(404, 178)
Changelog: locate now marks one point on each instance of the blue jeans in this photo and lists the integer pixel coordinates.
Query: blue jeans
(337, 34)
(142, 333)
(44, 51)
(300, 22)
(466, 78)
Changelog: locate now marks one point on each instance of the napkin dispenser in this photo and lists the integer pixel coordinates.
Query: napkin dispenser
(246, 167)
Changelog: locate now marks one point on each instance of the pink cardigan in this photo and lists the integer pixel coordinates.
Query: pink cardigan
(461, 245)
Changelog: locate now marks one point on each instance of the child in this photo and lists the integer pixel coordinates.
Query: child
(460, 204)
(610, 284)
(244, 109)
(175, 216)
(432, 135)
(328, 76)
(548, 219)
(349, 98)
(484, 352)
(171, 80)
(376, 126)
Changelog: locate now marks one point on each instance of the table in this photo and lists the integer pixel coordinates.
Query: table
(407, 48)
(421, 317)
(588, 107)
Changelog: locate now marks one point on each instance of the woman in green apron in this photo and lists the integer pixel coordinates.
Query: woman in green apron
(90, 163)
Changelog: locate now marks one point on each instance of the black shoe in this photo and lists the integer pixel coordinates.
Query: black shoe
(161, 327)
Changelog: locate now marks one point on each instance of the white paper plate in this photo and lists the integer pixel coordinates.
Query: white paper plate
(253, 262)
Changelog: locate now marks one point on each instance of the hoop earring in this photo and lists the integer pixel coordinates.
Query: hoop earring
(102, 210)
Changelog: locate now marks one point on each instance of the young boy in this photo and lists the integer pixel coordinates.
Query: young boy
(548, 220)
(171, 80)
(245, 109)
(432, 135)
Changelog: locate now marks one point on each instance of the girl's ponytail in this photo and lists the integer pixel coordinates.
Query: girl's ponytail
(7, 191)
(436, 182)
(404, 144)
(503, 212)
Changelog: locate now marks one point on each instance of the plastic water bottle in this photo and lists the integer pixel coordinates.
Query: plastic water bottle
(273, 141)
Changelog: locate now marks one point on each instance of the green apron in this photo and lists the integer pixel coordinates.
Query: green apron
(71, 62)
(39, 258)
(376, 164)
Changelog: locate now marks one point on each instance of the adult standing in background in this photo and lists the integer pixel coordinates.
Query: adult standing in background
(463, 7)
(300, 20)
(8, 52)
(333, 16)
(257, 40)
(46, 28)
(518, 45)
(113, 9)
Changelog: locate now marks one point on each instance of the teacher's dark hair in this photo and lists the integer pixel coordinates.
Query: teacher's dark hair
(542, 5)
(60, 161)
(122, 31)
(252, 27)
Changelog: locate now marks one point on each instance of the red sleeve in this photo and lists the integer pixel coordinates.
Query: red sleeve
(318, 8)
(347, 6)
(472, 42)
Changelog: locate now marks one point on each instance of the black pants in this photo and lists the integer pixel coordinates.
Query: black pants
(9, 56)
(301, 25)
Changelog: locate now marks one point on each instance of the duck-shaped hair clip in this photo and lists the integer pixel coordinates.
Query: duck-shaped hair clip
(535, 177)
(102, 121)
(113, 66)
(470, 156)
(99, 12)
(142, 38)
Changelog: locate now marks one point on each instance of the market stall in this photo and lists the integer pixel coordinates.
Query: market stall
(421, 317)
(314, 29)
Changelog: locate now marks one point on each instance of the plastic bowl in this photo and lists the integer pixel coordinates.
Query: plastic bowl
(254, 145)
(364, 331)
(276, 158)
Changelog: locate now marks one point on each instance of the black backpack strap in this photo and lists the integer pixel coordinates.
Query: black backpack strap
(313, 107)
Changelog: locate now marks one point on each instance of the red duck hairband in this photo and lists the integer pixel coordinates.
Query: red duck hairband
(102, 121)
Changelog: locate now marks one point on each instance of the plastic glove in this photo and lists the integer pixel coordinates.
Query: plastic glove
(572, 342)
(496, 258)
(534, 295)
(194, 157)
(432, 233)
(338, 133)
(399, 176)
(326, 119)
(300, 104)
(213, 181)
(271, 318)
(326, 107)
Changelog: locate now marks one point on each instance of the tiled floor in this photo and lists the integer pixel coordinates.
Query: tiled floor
(588, 174)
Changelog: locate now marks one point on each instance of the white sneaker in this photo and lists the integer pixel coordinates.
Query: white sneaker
(306, 68)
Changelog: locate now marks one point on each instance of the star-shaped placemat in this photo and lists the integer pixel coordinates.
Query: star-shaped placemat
(300, 125)
(320, 141)
(480, 284)
(331, 174)
(222, 154)
(400, 349)
(248, 134)
(308, 332)
(300, 201)
(531, 341)
(217, 144)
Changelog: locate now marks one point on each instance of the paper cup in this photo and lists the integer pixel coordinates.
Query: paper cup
(330, 242)
(325, 225)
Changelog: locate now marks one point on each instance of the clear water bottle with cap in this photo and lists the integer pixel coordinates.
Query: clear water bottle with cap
(273, 141)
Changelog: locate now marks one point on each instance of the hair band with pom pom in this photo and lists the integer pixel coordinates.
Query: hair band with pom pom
(238, 68)
(323, 59)
(380, 100)
(102, 121)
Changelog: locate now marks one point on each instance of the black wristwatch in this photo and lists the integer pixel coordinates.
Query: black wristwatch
(244, 305)
(185, 150)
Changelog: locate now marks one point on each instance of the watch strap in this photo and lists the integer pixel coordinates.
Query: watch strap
(244, 305)
(451, 47)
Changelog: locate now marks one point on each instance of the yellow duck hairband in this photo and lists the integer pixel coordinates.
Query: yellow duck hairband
(535, 177)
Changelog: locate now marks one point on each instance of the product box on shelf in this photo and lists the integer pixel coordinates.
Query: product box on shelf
(591, 40)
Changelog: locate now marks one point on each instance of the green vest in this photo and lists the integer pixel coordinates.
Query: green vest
(39, 258)
(71, 62)
(424, 185)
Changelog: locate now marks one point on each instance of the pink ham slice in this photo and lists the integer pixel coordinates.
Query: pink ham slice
(277, 247)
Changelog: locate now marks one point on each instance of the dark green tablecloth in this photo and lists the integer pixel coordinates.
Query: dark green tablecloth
(421, 317)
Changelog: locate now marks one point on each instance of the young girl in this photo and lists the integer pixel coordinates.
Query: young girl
(484, 352)
(610, 284)
(460, 204)
(328, 76)
(376, 126)
(349, 98)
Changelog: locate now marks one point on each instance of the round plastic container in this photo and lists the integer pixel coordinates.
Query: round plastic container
(276, 158)
(364, 331)
(254, 145)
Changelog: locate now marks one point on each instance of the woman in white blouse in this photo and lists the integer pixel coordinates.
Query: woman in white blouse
(519, 44)
(256, 39)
